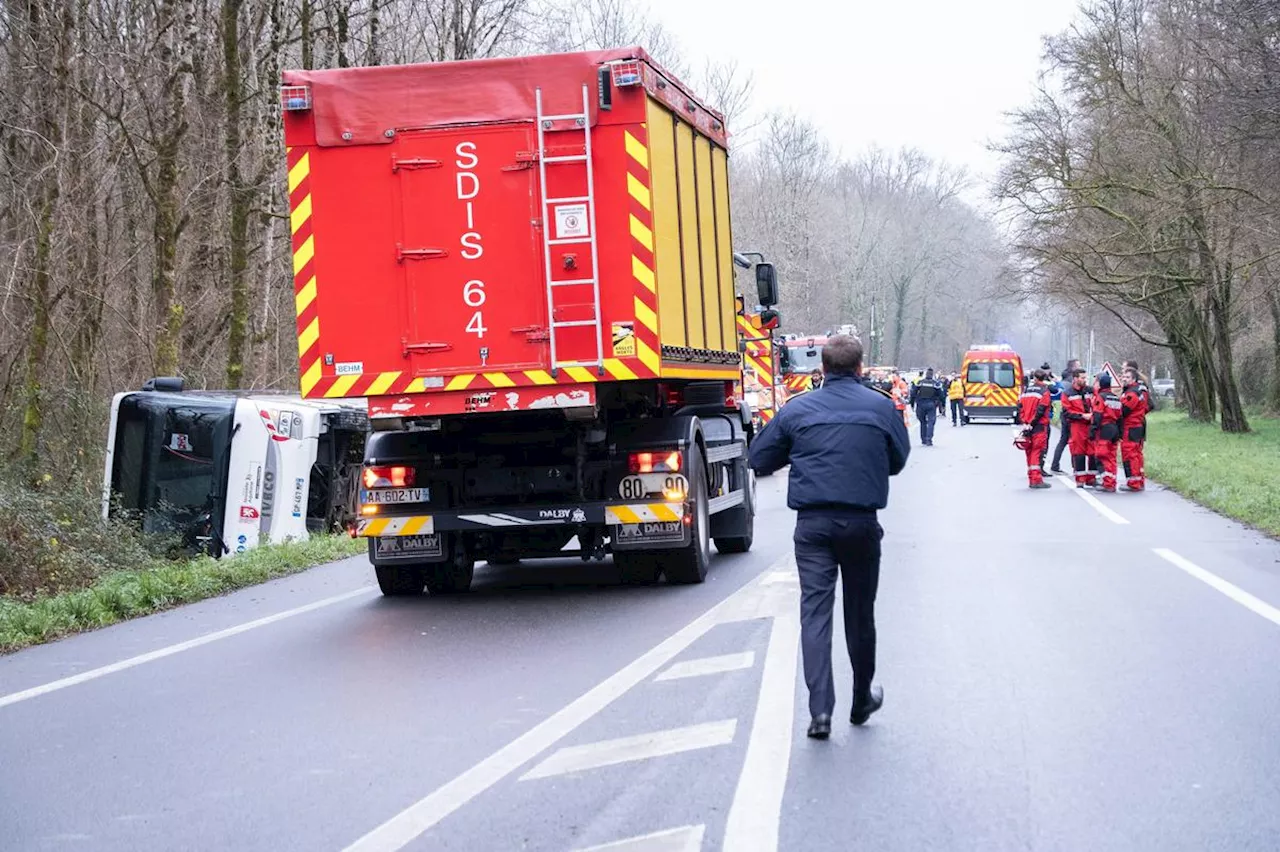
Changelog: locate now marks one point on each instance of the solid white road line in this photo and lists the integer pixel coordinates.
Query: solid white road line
(684, 839)
(630, 749)
(1236, 593)
(405, 826)
(1103, 509)
(709, 666)
(781, 577)
(756, 811)
(93, 674)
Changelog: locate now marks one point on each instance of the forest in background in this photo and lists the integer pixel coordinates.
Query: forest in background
(1141, 182)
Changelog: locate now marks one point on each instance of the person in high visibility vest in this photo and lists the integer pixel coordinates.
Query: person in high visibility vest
(900, 394)
(955, 394)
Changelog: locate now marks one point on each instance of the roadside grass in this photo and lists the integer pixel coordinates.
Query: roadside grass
(160, 585)
(1237, 475)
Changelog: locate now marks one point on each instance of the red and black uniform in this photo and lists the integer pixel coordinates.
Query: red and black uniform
(1076, 417)
(1034, 410)
(1107, 416)
(1134, 405)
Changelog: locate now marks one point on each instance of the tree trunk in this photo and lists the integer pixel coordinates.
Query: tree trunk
(1233, 417)
(38, 345)
(1273, 392)
(308, 35)
(239, 197)
(899, 321)
(48, 44)
(169, 221)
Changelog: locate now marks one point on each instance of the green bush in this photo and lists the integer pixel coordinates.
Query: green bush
(53, 539)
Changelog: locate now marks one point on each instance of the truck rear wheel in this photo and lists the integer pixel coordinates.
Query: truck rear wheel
(689, 564)
(400, 580)
(451, 578)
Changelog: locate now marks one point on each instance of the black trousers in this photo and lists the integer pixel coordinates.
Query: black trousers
(1062, 443)
(927, 414)
(847, 544)
(957, 410)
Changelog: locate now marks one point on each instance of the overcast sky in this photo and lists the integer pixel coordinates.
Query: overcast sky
(934, 74)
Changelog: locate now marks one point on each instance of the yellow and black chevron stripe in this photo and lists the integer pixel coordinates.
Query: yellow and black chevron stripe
(645, 299)
(638, 513)
(993, 396)
(407, 525)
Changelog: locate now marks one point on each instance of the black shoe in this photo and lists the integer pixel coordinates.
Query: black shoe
(866, 704)
(1039, 485)
(820, 727)
(1055, 470)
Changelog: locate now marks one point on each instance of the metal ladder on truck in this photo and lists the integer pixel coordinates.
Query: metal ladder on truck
(581, 122)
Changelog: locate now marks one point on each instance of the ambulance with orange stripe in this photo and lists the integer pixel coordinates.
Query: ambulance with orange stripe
(992, 376)
(226, 471)
(524, 265)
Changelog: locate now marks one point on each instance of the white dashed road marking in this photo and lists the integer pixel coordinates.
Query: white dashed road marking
(1102, 508)
(160, 653)
(685, 839)
(756, 812)
(709, 666)
(1234, 592)
(629, 749)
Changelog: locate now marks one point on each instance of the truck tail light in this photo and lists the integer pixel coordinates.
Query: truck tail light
(388, 477)
(663, 462)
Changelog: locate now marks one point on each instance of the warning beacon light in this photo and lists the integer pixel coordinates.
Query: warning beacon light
(626, 73)
(295, 98)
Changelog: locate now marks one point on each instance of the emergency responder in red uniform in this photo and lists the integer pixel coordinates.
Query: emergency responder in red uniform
(1133, 409)
(1034, 409)
(1076, 417)
(1107, 416)
(1142, 385)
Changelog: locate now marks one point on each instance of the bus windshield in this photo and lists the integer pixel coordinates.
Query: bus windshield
(170, 462)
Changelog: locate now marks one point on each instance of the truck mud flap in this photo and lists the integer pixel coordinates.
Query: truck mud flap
(407, 548)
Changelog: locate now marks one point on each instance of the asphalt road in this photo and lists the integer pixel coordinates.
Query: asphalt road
(1062, 672)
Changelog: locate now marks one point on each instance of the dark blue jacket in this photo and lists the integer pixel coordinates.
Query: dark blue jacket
(843, 443)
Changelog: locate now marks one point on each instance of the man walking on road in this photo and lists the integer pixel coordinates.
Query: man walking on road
(843, 442)
(926, 396)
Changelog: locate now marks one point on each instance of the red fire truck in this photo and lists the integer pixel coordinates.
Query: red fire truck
(525, 266)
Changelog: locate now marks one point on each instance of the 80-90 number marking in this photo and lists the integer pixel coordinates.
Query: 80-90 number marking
(672, 486)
